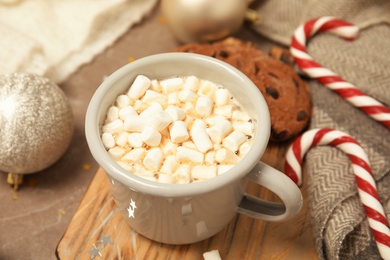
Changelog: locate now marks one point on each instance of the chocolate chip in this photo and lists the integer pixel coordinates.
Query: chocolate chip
(286, 58)
(223, 54)
(256, 69)
(279, 136)
(301, 116)
(273, 92)
(273, 75)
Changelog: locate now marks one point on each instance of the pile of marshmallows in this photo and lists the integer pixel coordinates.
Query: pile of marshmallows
(176, 130)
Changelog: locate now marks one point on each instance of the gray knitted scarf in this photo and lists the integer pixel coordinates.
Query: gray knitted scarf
(339, 223)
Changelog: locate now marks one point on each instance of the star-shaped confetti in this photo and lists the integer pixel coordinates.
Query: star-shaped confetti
(132, 204)
(105, 240)
(95, 251)
(131, 212)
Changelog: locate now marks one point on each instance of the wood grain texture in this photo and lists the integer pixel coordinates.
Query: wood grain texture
(243, 238)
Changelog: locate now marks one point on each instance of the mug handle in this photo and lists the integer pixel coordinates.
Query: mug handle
(278, 183)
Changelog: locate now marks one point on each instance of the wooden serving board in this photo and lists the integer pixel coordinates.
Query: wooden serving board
(97, 224)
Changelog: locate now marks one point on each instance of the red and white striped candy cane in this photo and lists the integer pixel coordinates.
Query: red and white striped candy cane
(346, 90)
(363, 174)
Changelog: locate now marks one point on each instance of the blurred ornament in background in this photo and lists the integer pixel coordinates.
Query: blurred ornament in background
(36, 124)
(205, 20)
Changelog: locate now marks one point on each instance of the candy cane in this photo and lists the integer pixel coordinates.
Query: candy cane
(346, 90)
(363, 174)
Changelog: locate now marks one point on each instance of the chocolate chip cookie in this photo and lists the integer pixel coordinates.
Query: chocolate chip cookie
(285, 92)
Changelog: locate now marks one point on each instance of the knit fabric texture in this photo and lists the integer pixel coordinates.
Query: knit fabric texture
(54, 38)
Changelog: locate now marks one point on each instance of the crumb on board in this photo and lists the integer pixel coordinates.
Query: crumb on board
(15, 196)
(130, 59)
(61, 212)
(87, 166)
(163, 20)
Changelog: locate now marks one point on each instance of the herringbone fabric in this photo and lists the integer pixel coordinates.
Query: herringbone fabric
(340, 227)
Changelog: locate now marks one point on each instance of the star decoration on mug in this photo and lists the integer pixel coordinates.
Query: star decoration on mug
(131, 208)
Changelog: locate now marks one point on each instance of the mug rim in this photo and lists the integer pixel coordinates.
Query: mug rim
(134, 182)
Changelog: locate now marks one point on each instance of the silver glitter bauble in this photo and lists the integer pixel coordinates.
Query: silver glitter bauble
(203, 20)
(36, 123)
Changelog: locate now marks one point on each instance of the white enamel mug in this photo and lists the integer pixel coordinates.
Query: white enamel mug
(188, 213)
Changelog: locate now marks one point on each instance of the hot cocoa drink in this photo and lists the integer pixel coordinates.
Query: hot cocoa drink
(176, 130)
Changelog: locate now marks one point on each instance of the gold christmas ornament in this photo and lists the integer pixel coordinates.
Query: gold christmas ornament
(36, 124)
(204, 20)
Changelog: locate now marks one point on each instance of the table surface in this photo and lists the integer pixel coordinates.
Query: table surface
(34, 219)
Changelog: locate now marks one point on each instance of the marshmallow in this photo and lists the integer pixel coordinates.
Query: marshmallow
(169, 148)
(151, 110)
(122, 101)
(125, 166)
(173, 98)
(143, 172)
(187, 95)
(151, 136)
(189, 144)
(135, 139)
(113, 127)
(166, 178)
(225, 110)
(200, 137)
(234, 140)
(153, 96)
(244, 148)
(140, 106)
(160, 120)
(153, 159)
(207, 88)
(139, 87)
(183, 174)
(108, 140)
(112, 114)
(226, 156)
(210, 157)
(204, 106)
(221, 129)
(212, 255)
(155, 86)
(244, 127)
(203, 172)
(192, 83)
(135, 123)
(212, 120)
(222, 97)
(134, 155)
(188, 107)
(176, 113)
(127, 111)
(116, 152)
(185, 154)
(240, 115)
(170, 164)
(171, 84)
(121, 139)
(178, 132)
(189, 120)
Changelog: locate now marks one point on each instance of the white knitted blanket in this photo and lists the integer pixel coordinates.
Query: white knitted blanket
(55, 37)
